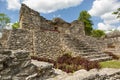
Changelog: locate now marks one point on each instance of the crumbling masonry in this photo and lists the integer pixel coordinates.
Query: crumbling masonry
(52, 38)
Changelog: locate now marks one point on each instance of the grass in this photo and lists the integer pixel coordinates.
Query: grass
(110, 64)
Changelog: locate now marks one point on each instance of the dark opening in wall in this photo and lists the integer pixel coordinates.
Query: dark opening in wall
(56, 28)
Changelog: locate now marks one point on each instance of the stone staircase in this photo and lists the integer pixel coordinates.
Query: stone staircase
(85, 50)
(115, 51)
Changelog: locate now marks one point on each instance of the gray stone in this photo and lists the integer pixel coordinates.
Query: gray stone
(6, 77)
(5, 71)
(21, 54)
(25, 63)
(1, 66)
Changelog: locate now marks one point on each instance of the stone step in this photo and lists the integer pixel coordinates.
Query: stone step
(89, 51)
(114, 50)
(91, 54)
(96, 55)
(101, 58)
(83, 45)
(88, 54)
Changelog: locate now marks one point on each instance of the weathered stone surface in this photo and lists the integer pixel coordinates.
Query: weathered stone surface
(18, 66)
(3, 40)
(21, 54)
(93, 74)
(48, 44)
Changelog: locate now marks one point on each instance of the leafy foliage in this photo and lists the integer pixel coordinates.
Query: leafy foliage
(15, 25)
(97, 33)
(117, 13)
(85, 18)
(4, 19)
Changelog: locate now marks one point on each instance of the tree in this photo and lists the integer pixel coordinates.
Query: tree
(85, 18)
(98, 33)
(4, 19)
(15, 25)
(117, 13)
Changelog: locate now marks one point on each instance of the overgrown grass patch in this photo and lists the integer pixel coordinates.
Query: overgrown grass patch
(110, 64)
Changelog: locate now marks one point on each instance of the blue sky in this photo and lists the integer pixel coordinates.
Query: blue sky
(100, 10)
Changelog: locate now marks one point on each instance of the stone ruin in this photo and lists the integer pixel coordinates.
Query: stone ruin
(47, 39)
(17, 65)
(52, 38)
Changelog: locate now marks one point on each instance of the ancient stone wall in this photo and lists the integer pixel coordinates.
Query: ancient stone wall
(31, 20)
(47, 44)
(5, 36)
(20, 39)
(46, 38)
(17, 65)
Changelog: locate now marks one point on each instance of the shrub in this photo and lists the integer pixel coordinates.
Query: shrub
(66, 58)
(97, 33)
(91, 65)
(69, 64)
(76, 62)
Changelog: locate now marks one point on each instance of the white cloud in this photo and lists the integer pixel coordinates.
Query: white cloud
(104, 10)
(100, 7)
(109, 18)
(13, 4)
(105, 27)
(47, 6)
(44, 6)
(8, 26)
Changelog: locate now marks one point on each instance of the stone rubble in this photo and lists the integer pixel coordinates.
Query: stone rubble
(17, 65)
(103, 74)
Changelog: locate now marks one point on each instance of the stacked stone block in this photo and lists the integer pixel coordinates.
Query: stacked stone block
(16, 65)
(47, 44)
(20, 39)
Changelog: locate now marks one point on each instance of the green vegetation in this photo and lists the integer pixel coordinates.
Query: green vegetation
(4, 19)
(117, 13)
(15, 25)
(110, 64)
(97, 33)
(69, 64)
(85, 18)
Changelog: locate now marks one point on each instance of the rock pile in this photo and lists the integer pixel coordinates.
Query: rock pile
(16, 65)
(103, 74)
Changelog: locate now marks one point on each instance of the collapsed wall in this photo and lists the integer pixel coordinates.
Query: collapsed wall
(47, 38)
(48, 34)
(20, 39)
(17, 65)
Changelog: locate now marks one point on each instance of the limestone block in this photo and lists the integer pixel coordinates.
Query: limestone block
(1, 67)
(21, 54)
